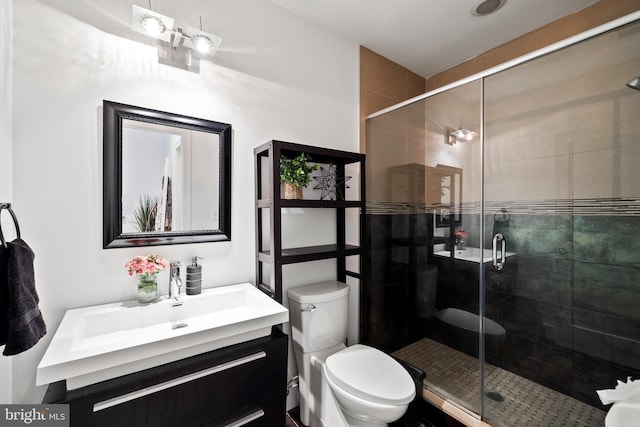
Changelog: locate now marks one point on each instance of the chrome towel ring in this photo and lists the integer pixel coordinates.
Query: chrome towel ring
(7, 206)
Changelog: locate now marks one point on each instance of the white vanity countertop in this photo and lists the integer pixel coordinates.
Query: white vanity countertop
(96, 343)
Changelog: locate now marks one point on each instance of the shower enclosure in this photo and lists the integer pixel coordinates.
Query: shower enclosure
(504, 234)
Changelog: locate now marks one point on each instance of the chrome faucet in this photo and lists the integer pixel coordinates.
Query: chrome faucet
(175, 282)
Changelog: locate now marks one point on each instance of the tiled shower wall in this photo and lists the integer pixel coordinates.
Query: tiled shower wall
(571, 312)
(572, 315)
(393, 242)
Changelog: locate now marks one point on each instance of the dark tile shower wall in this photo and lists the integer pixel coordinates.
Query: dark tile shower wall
(572, 316)
(569, 300)
(397, 250)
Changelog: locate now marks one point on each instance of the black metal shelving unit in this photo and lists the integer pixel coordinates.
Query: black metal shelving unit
(268, 196)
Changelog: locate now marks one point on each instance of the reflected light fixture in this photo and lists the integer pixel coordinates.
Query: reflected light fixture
(178, 48)
(634, 83)
(460, 134)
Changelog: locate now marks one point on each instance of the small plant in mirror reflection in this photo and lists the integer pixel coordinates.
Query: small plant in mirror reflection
(145, 213)
(146, 265)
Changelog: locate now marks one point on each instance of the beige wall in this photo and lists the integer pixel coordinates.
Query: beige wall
(400, 137)
(567, 122)
(383, 83)
(590, 17)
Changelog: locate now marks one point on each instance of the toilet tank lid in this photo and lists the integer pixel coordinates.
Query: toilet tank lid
(318, 292)
(371, 375)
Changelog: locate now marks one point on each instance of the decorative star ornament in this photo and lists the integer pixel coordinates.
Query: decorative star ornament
(329, 183)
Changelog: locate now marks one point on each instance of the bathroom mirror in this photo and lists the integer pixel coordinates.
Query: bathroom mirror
(166, 178)
(444, 192)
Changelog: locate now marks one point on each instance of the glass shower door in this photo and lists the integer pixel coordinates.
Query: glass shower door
(452, 197)
(433, 187)
(423, 199)
(562, 163)
(506, 264)
(528, 231)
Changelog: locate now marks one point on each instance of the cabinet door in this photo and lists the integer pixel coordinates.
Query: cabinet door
(213, 389)
(218, 399)
(270, 414)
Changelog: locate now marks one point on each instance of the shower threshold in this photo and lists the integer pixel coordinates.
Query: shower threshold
(511, 400)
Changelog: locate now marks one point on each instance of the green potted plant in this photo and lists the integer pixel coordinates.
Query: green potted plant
(146, 212)
(295, 174)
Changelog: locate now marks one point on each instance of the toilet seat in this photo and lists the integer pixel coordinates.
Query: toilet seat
(371, 375)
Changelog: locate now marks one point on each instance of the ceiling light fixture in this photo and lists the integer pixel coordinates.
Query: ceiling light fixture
(460, 134)
(150, 23)
(175, 46)
(204, 43)
(486, 7)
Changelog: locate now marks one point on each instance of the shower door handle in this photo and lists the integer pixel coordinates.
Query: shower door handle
(499, 265)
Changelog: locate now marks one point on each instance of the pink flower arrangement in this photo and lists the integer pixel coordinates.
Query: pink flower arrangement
(460, 235)
(146, 265)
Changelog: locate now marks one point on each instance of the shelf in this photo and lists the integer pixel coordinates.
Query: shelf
(317, 154)
(287, 203)
(270, 216)
(311, 253)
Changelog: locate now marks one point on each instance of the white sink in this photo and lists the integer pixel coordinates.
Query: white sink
(471, 254)
(93, 344)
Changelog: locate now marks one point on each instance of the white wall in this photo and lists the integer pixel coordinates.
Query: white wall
(6, 176)
(275, 77)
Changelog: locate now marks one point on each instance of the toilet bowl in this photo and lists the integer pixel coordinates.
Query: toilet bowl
(453, 326)
(460, 329)
(341, 386)
(370, 387)
(469, 321)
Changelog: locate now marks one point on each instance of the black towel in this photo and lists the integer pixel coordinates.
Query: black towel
(22, 324)
(4, 294)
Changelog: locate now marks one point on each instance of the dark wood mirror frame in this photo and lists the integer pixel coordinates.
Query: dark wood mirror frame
(113, 237)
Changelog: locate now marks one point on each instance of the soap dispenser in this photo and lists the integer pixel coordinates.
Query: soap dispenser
(194, 277)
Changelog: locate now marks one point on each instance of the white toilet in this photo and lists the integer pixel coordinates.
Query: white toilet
(341, 386)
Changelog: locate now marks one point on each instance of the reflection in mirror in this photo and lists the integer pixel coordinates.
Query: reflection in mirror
(175, 188)
(166, 178)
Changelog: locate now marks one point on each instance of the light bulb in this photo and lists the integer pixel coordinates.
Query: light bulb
(202, 43)
(152, 25)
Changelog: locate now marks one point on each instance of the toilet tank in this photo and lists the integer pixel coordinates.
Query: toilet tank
(319, 315)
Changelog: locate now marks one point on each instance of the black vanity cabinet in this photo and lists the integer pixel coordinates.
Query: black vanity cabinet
(239, 385)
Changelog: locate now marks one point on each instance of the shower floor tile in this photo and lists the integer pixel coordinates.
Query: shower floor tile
(512, 401)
